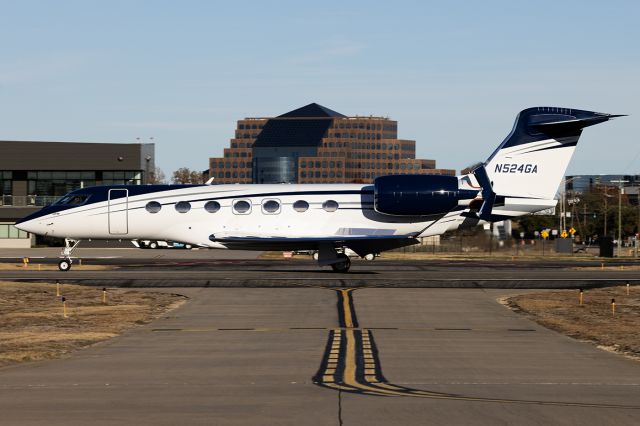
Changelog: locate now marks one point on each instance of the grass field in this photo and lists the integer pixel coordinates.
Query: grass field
(32, 325)
(593, 321)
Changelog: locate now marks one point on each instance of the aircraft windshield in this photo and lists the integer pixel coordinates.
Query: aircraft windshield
(72, 200)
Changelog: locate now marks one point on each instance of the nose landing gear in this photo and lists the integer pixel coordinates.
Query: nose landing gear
(69, 246)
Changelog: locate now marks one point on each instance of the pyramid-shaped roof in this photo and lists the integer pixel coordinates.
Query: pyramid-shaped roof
(313, 110)
(305, 126)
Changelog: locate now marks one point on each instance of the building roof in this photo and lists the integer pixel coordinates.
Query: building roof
(305, 126)
(313, 110)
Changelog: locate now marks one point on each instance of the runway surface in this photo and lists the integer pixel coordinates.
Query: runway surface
(214, 268)
(318, 356)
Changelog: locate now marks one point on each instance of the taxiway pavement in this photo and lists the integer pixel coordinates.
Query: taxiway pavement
(318, 356)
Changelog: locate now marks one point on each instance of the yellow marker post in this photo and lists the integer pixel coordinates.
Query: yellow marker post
(613, 307)
(25, 262)
(57, 288)
(64, 308)
(627, 288)
(104, 296)
(581, 297)
(602, 266)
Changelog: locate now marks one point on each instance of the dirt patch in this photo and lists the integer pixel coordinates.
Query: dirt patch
(592, 321)
(33, 327)
(34, 266)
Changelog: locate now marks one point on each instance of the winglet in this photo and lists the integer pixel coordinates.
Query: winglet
(488, 196)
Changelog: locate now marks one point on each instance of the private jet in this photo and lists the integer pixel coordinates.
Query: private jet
(520, 177)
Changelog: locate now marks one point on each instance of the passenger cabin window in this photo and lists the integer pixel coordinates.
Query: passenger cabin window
(301, 206)
(242, 207)
(183, 206)
(72, 200)
(330, 206)
(153, 207)
(271, 207)
(212, 206)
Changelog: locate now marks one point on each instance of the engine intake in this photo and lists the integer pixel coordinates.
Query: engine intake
(417, 195)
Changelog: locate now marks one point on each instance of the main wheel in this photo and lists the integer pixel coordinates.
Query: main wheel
(369, 256)
(153, 245)
(64, 265)
(342, 266)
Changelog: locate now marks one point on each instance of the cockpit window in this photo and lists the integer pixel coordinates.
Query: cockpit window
(72, 200)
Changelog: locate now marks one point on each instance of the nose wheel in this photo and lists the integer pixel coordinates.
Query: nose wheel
(64, 265)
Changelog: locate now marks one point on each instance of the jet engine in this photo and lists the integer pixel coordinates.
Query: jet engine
(418, 195)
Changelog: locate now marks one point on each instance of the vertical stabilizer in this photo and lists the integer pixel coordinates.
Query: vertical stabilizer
(532, 160)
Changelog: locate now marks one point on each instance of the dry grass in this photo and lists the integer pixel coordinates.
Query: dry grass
(32, 325)
(34, 266)
(593, 321)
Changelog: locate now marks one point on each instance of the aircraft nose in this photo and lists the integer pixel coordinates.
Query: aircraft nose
(33, 226)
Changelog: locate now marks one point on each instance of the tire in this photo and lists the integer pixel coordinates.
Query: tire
(315, 255)
(369, 256)
(342, 266)
(188, 246)
(64, 265)
(153, 245)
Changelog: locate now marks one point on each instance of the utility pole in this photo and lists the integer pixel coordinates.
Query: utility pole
(620, 189)
(605, 210)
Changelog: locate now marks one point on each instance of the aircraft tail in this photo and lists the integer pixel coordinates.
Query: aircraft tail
(532, 160)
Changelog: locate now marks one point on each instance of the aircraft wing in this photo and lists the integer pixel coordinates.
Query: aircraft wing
(361, 244)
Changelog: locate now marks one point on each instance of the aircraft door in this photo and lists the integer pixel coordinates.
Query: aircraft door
(118, 211)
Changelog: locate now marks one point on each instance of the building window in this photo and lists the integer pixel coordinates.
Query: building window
(301, 206)
(183, 206)
(271, 207)
(330, 206)
(212, 206)
(8, 230)
(153, 207)
(242, 207)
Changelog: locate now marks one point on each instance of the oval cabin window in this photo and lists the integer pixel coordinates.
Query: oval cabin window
(242, 207)
(330, 206)
(212, 206)
(153, 207)
(183, 206)
(301, 206)
(271, 207)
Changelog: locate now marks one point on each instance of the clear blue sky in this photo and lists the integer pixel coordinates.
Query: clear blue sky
(454, 74)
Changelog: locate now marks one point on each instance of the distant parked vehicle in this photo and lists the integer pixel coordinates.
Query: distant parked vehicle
(346, 250)
(156, 244)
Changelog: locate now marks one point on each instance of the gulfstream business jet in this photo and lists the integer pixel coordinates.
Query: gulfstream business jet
(520, 177)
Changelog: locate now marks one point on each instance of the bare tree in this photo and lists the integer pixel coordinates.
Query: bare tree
(157, 177)
(186, 176)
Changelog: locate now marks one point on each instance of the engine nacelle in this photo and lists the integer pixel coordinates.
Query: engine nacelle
(417, 195)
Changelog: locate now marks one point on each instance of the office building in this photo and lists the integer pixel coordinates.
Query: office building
(314, 144)
(35, 174)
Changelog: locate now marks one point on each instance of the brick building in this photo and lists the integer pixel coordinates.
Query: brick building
(314, 144)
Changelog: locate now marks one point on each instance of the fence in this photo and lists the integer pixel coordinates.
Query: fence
(27, 200)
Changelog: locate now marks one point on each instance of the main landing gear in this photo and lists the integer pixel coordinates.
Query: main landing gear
(342, 265)
(69, 246)
(328, 255)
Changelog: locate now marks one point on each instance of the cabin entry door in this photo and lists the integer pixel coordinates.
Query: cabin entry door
(118, 211)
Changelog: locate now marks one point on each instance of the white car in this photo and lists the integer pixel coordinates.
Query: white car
(350, 253)
(153, 244)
